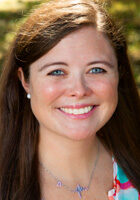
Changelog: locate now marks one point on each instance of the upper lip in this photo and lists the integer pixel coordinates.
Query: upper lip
(77, 106)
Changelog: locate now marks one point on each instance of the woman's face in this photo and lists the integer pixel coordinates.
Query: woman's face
(73, 87)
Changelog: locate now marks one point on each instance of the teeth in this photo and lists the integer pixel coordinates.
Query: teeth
(77, 111)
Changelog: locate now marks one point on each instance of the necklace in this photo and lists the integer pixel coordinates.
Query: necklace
(79, 189)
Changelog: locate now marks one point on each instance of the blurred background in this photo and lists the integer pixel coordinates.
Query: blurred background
(127, 12)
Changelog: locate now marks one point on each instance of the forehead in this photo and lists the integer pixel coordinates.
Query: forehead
(82, 45)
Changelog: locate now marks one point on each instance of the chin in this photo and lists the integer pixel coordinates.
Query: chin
(78, 136)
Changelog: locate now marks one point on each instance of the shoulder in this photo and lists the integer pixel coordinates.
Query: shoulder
(123, 188)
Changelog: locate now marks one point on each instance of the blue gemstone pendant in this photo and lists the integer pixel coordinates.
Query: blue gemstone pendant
(80, 189)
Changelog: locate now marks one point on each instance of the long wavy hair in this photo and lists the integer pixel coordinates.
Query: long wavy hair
(19, 129)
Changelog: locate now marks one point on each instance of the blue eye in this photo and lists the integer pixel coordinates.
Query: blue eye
(96, 70)
(57, 72)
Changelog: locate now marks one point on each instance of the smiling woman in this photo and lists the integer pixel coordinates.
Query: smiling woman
(71, 81)
(68, 99)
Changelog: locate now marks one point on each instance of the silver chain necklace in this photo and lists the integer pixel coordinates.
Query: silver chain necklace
(79, 189)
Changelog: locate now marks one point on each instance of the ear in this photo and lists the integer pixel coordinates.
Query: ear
(22, 79)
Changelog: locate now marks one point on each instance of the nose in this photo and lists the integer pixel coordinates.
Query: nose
(79, 88)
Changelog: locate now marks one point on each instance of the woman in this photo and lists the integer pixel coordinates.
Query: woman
(69, 108)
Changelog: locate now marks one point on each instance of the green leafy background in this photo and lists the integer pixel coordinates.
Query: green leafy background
(127, 12)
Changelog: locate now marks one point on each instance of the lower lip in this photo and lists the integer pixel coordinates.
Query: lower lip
(81, 116)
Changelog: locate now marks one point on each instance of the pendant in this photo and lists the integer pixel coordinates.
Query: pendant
(80, 189)
(59, 184)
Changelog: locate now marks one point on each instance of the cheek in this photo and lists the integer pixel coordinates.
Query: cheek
(49, 91)
(106, 88)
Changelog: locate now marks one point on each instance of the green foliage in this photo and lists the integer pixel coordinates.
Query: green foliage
(128, 13)
(13, 13)
(11, 16)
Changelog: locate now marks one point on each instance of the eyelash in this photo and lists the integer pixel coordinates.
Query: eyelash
(53, 73)
(96, 68)
(57, 70)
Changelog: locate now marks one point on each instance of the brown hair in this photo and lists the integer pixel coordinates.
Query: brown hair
(19, 129)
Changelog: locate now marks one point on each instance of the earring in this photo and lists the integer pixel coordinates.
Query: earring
(28, 96)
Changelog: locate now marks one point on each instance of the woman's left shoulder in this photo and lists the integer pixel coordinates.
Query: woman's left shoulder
(123, 188)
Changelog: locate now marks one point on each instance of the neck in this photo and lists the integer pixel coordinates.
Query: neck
(63, 156)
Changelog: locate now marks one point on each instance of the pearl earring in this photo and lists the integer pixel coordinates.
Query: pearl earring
(28, 96)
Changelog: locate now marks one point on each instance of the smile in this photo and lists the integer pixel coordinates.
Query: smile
(77, 111)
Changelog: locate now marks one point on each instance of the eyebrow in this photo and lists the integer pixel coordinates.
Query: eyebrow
(110, 65)
(51, 64)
